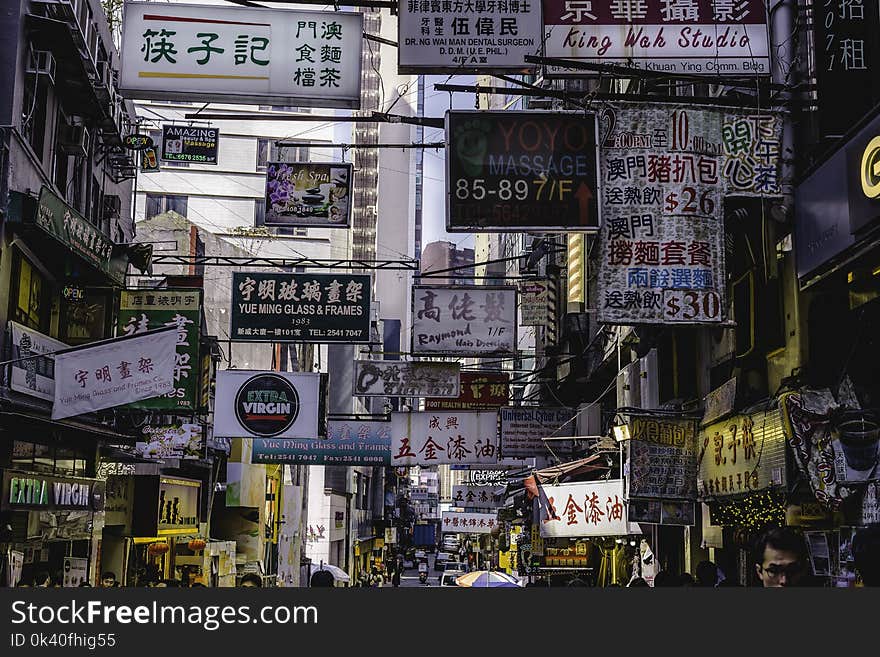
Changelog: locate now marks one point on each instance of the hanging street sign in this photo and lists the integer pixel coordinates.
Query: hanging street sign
(183, 143)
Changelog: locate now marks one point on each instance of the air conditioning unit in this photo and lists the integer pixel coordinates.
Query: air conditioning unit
(42, 63)
(74, 140)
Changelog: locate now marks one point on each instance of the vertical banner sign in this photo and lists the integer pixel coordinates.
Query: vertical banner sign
(523, 431)
(698, 37)
(276, 307)
(348, 442)
(241, 55)
(464, 320)
(396, 378)
(847, 51)
(534, 302)
(479, 391)
(445, 37)
(183, 143)
(590, 508)
(438, 437)
(662, 458)
(308, 194)
(515, 171)
(145, 310)
(665, 172)
(114, 373)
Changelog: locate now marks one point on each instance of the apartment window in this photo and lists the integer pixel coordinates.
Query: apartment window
(33, 112)
(48, 459)
(29, 301)
(267, 151)
(259, 212)
(159, 203)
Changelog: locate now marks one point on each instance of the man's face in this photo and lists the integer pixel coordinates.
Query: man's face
(779, 568)
(108, 582)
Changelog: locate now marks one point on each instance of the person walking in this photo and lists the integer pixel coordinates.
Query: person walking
(395, 578)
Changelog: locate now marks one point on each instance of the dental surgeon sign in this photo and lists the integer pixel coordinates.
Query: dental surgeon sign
(267, 404)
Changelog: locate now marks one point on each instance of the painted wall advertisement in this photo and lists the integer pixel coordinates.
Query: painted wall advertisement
(662, 458)
(114, 373)
(460, 38)
(31, 373)
(145, 310)
(590, 508)
(464, 320)
(478, 497)
(479, 392)
(665, 172)
(257, 404)
(742, 454)
(523, 430)
(308, 194)
(436, 437)
(241, 55)
(348, 442)
(185, 143)
(698, 37)
(276, 307)
(395, 378)
(514, 171)
(467, 523)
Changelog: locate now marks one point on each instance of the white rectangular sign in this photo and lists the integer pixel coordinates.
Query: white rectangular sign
(590, 508)
(241, 55)
(114, 372)
(456, 37)
(31, 373)
(396, 378)
(523, 430)
(464, 320)
(467, 523)
(436, 437)
(478, 497)
(260, 404)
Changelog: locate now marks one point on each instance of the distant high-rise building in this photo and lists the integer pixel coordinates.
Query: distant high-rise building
(440, 256)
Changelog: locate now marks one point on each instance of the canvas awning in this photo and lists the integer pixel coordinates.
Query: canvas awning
(594, 463)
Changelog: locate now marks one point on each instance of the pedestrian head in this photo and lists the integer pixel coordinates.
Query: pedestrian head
(707, 574)
(780, 557)
(251, 579)
(108, 580)
(866, 554)
(665, 578)
(41, 578)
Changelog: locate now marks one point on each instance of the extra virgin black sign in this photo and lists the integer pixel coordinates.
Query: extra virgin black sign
(514, 171)
(277, 307)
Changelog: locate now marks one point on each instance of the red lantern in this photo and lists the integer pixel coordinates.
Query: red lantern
(196, 544)
(156, 549)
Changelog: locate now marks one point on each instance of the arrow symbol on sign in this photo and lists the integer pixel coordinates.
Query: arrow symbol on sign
(584, 195)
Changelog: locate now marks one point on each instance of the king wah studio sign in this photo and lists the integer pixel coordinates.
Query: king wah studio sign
(29, 491)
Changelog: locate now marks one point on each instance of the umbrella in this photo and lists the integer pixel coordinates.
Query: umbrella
(338, 573)
(487, 579)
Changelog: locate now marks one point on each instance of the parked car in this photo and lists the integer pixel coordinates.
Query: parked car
(448, 577)
(451, 542)
(441, 559)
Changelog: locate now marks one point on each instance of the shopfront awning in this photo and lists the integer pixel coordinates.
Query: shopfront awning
(11, 418)
(594, 463)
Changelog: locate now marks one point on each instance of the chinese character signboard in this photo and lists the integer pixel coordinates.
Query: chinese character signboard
(665, 171)
(31, 373)
(697, 37)
(522, 430)
(662, 458)
(461, 38)
(27, 490)
(78, 234)
(144, 310)
(534, 303)
(847, 51)
(180, 441)
(591, 508)
(308, 194)
(348, 442)
(241, 55)
(275, 307)
(114, 373)
(742, 454)
(443, 437)
(479, 392)
(464, 320)
(255, 404)
(395, 378)
(183, 143)
(516, 171)
(467, 523)
(478, 497)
